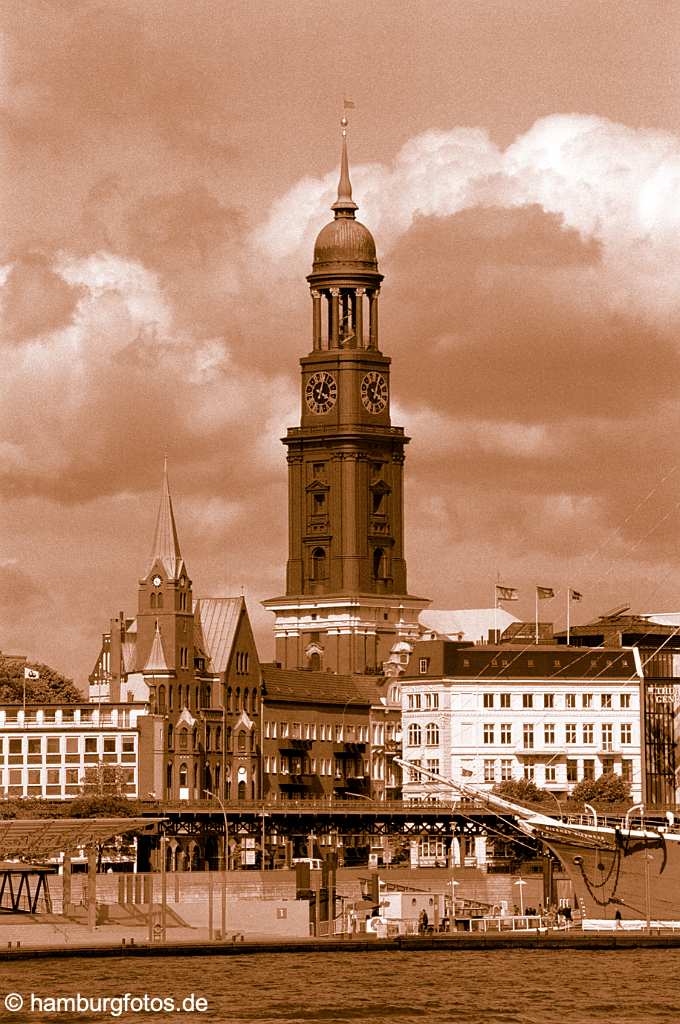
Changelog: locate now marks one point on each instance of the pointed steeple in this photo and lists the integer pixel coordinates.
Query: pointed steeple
(165, 547)
(156, 661)
(344, 205)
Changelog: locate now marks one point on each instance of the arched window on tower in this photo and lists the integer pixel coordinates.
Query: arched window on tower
(379, 564)
(153, 601)
(159, 602)
(171, 738)
(415, 737)
(161, 698)
(432, 734)
(319, 570)
(183, 775)
(230, 699)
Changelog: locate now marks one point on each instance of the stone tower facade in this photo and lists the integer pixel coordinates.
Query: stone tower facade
(346, 599)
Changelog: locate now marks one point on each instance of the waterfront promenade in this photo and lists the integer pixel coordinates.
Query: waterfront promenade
(48, 940)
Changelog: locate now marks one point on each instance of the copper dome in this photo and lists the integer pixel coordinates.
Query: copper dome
(345, 241)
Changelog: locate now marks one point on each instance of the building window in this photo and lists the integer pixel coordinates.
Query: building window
(549, 734)
(379, 564)
(432, 701)
(527, 700)
(626, 733)
(548, 700)
(570, 733)
(489, 732)
(505, 700)
(413, 775)
(588, 733)
(627, 770)
(284, 730)
(529, 771)
(433, 766)
(183, 775)
(586, 700)
(624, 700)
(528, 736)
(572, 771)
(161, 698)
(319, 564)
(608, 736)
(606, 700)
(414, 701)
(414, 735)
(489, 771)
(488, 700)
(506, 733)
(506, 769)
(570, 700)
(423, 665)
(550, 773)
(432, 734)
(588, 768)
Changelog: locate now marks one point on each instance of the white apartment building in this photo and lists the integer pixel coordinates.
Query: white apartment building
(556, 715)
(46, 750)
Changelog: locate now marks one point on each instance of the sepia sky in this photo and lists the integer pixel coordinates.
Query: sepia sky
(166, 167)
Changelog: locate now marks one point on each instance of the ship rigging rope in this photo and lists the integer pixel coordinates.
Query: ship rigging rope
(622, 845)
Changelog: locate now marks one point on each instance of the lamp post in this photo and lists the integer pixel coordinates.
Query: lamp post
(521, 883)
(225, 865)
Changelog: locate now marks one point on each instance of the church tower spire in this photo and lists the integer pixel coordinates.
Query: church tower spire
(165, 548)
(344, 206)
(346, 597)
(165, 601)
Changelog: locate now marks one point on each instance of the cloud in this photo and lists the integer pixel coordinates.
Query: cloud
(35, 300)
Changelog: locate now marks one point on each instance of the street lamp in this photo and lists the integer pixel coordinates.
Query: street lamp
(214, 796)
(521, 883)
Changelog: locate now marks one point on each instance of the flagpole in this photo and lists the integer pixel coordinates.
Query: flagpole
(495, 614)
(536, 593)
(568, 614)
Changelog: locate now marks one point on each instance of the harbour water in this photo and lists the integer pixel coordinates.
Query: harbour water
(501, 987)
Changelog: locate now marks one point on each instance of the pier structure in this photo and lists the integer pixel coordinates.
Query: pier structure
(242, 834)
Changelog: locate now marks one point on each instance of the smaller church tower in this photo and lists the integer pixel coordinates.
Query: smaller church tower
(165, 603)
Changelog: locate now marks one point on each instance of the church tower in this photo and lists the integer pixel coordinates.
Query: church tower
(346, 599)
(165, 634)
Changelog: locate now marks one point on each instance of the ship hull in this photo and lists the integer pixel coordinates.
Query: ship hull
(634, 873)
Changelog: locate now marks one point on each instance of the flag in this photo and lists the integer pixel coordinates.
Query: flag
(348, 104)
(544, 593)
(31, 673)
(467, 772)
(575, 596)
(506, 593)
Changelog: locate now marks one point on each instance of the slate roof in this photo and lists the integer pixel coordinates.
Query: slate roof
(297, 685)
(218, 619)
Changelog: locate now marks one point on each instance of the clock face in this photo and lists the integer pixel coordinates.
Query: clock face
(374, 392)
(156, 581)
(321, 392)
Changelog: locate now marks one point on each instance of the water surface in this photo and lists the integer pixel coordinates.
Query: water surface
(498, 987)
